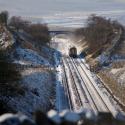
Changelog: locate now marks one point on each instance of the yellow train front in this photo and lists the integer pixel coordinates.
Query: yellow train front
(73, 52)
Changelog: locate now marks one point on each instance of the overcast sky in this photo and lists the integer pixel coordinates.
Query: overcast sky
(44, 7)
(64, 12)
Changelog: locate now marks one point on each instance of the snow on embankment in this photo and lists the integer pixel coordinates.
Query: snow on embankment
(30, 56)
(113, 74)
(104, 57)
(38, 78)
(39, 92)
(5, 38)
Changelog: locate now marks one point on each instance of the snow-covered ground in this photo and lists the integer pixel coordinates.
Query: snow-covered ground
(61, 98)
(63, 44)
(116, 69)
(117, 73)
(39, 83)
(38, 79)
(60, 44)
(5, 38)
(30, 57)
(39, 92)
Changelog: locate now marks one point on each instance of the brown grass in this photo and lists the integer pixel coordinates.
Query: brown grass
(28, 45)
(119, 64)
(117, 89)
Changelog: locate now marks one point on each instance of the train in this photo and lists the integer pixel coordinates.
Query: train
(73, 52)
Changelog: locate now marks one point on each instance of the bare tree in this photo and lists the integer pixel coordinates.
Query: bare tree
(39, 32)
(18, 23)
(4, 17)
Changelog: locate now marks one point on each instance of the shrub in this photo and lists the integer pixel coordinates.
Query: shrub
(5, 108)
(7, 69)
(39, 33)
(9, 77)
(4, 17)
(18, 23)
(79, 32)
(7, 72)
(98, 32)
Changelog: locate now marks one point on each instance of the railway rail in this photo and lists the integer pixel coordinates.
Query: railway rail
(73, 93)
(104, 99)
(81, 89)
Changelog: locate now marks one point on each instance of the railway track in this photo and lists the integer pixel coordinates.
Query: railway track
(73, 93)
(91, 103)
(82, 90)
(105, 100)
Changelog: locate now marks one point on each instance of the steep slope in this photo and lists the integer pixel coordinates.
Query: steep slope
(106, 52)
(114, 74)
(38, 77)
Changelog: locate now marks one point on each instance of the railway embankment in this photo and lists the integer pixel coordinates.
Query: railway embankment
(84, 91)
(36, 87)
(106, 58)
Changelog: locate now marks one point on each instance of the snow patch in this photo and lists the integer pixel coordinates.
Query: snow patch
(122, 78)
(114, 71)
(54, 116)
(37, 96)
(30, 56)
(102, 58)
(117, 57)
(72, 117)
